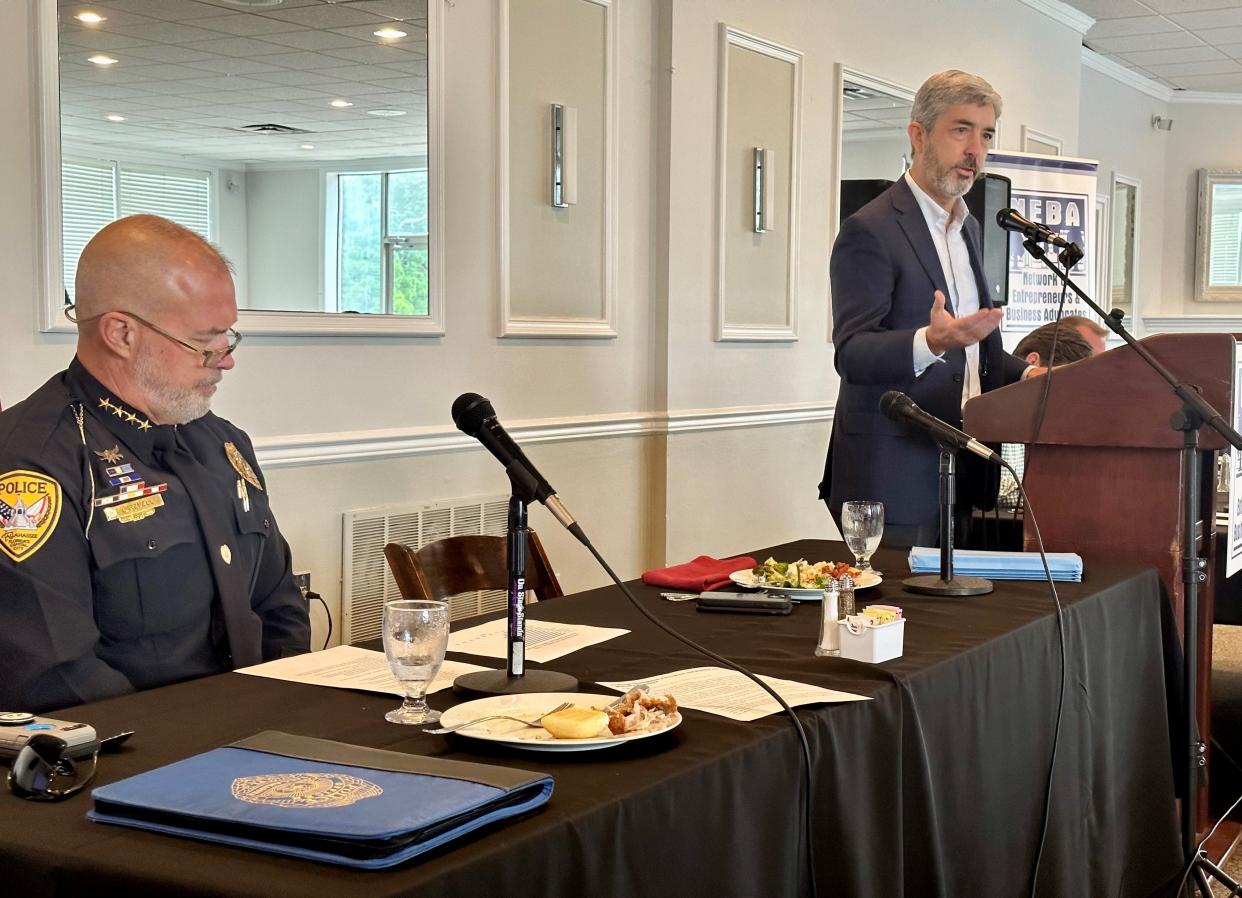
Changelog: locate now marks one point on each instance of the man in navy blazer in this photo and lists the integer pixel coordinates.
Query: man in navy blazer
(911, 312)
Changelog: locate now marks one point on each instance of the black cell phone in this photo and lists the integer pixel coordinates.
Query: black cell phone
(744, 603)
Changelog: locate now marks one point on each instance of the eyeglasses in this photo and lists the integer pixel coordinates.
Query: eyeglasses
(42, 772)
(211, 357)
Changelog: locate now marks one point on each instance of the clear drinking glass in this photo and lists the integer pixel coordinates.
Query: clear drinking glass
(415, 637)
(862, 525)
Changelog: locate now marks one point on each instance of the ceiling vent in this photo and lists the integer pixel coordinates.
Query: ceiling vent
(857, 93)
(271, 129)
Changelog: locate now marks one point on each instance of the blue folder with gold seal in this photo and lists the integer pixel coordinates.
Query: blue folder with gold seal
(322, 800)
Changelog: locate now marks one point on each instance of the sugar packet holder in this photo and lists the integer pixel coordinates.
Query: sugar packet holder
(874, 635)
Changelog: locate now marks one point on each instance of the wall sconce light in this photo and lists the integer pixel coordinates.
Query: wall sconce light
(1160, 123)
(564, 156)
(765, 193)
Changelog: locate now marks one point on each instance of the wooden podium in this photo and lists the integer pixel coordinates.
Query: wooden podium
(1105, 475)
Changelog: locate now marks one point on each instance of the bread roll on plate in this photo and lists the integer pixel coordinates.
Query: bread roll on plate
(576, 723)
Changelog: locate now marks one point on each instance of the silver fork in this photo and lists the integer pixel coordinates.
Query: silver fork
(440, 731)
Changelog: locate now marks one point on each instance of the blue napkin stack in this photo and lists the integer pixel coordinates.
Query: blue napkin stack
(999, 565)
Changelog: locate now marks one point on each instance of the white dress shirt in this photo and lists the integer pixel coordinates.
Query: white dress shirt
(950, 243)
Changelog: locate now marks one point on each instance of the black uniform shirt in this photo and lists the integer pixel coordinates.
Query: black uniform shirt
(132, 554)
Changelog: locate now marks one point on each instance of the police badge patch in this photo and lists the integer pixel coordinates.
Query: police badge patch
(29, 510)
(304, 790)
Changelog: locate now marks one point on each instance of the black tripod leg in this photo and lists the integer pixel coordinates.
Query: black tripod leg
(1219, 875)
(1201, 880)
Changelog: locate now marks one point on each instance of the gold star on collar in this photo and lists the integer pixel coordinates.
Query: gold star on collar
(111, 456)
(136, 420)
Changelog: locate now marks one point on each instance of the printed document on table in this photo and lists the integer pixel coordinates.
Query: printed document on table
(718, 690)
(545, 641)
(350, 667)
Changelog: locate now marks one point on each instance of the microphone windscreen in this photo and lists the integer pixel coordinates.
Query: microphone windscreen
(470, 410)
(893, 401)
(1003, 217)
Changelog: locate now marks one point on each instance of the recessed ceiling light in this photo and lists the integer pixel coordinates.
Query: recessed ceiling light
(307, 146)
(253, 4)
(90, 18)
(100, 59)
(341, 104)
(389, 33)
(116, 118)
(386, 113)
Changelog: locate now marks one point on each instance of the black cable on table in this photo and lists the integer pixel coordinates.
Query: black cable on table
(802, 737)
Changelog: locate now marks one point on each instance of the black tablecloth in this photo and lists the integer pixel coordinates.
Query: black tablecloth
(935, 787)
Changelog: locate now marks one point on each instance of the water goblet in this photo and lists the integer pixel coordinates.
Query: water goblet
(862, 525)
(415, 637)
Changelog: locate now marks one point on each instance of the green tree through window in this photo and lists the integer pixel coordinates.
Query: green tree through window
(382, 243)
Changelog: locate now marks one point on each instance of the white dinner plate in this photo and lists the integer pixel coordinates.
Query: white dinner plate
(746, 578)
(530, 706)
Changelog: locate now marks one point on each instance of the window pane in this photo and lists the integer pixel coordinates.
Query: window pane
(409, 280)
(183, 197)
(407, 203)
(1225, 264)
(88, 197)
(360, 264)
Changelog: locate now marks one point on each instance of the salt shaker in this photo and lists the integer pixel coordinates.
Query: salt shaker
(829, 631)
(845, 603)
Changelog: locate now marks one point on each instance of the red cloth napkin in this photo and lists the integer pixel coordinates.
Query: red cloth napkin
(701, 574)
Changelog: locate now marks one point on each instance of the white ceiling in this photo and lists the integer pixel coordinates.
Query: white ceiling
(190, 72)
(1181, 44)
(868, 114)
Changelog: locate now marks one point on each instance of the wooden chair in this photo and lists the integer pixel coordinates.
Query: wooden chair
(464, 564)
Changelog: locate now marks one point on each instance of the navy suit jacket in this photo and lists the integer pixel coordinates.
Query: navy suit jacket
(884, 271)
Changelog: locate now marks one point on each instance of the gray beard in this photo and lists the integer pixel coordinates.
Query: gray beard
(168, 404)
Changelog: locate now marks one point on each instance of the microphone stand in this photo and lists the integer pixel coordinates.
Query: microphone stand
(516, 679)
(1194, 413)
(946, 584)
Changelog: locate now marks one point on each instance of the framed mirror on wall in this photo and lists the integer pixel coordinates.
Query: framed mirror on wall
(301, 137)
(1123, 244)
(1218, 238)
(873, 149)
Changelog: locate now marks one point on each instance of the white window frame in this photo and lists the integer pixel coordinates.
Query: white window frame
(250, 321)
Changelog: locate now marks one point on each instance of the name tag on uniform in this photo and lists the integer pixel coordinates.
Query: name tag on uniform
(136, 510)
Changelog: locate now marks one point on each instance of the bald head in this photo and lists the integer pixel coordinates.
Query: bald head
(143, 264)
(152, 299)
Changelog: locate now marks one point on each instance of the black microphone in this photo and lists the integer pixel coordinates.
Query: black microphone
(474, 416)
(1010, 220)
(900, 407)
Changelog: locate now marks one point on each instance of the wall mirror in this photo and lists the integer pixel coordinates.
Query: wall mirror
(299, 136)
(874, 149)
(1218, 249)
(1123, 242)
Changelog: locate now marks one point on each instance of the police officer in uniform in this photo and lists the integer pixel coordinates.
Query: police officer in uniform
(137, 546)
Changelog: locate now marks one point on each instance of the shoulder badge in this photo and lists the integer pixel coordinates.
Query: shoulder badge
(29, 510)
(241, 466)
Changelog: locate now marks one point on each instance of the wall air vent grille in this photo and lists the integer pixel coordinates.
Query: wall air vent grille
(367, 583)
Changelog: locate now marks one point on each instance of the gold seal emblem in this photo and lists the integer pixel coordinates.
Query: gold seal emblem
(29, 510)
(241, 466)
(111, 456)
(304, 790)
